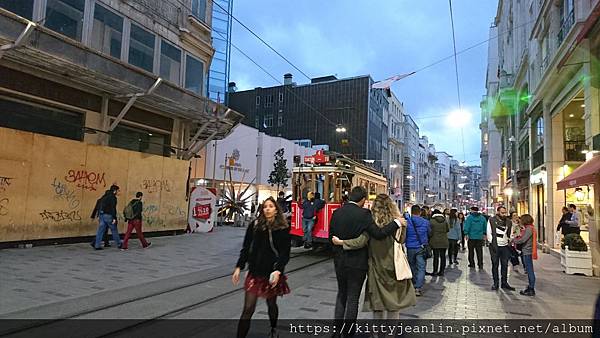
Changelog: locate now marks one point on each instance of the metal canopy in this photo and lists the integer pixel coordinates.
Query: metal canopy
(44, 51)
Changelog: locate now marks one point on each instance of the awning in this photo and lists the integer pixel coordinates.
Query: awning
(587, 173)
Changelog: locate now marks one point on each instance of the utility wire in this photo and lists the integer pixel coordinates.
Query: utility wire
(462, 133)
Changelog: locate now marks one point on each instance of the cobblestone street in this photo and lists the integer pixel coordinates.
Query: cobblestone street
(59, 281)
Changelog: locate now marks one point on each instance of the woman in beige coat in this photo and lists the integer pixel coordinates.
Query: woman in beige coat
(383, 292)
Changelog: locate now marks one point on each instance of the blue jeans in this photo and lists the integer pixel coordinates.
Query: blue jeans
(417, 266)
(307, 226)
(106, 220)
(528, 262)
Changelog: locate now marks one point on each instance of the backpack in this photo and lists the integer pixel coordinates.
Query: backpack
(128, 212)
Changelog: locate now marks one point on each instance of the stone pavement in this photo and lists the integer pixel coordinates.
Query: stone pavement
(48, 274)
(34, 280)
(462, 293)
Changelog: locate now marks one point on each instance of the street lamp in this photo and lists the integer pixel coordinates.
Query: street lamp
(340, 129)
(393, 166)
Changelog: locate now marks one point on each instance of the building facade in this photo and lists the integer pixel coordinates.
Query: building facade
(315, 111)
(547, 111)
(218, 75)
(95, 92)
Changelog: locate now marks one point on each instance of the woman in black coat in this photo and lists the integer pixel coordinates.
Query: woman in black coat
(266, 249)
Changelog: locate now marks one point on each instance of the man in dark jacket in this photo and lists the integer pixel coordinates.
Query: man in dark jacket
(498, 235)
(563, 227)
(351, 266)
(475, 231)
(135, 222)
(310, 208)
(108, 217)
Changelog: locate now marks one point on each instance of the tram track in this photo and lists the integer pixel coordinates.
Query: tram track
(88, 314)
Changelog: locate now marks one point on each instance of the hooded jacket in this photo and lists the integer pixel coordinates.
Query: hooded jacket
(439, 231)
(475, 226)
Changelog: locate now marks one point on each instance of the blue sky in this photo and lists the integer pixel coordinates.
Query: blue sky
(382, 38)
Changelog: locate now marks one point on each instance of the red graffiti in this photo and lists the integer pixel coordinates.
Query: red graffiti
(86, 180)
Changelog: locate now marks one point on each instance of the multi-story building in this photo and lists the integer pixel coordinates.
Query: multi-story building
(411, 193)
(491, 158)
(443, 178)
(547, 111)
(218, 75)
(95, 92)
(396, 149)
(316, 110)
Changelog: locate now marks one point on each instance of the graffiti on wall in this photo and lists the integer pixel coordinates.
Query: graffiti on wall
(152, 185)
(175, 210)
(60, 216)
(4, 183)
(150, 215)
(86, 180)
(4, 206)
(62, 192)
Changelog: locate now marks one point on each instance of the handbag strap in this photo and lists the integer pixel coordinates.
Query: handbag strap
(416, 232)
(272, 245)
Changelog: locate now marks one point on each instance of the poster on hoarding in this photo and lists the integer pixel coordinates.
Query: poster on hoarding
(202, 210)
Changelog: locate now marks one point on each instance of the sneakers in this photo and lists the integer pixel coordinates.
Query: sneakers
(307, 245)
(147, 246)
(100, 248)
(528, 292)
(124, 249)
(507, 287)
(418, 292)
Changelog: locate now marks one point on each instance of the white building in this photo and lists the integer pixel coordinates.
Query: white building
(249, 156)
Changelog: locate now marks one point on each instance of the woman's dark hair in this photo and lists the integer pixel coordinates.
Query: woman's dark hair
(526, 219)
(460, 214)
(512, 213)
(278, 223)
(453, 213)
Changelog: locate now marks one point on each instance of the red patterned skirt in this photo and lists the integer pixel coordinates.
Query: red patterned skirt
(260, 286)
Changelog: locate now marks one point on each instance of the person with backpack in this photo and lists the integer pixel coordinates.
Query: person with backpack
(133, 217)
(107, 211)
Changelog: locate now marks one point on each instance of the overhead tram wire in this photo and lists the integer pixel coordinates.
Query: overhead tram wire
(462, 133)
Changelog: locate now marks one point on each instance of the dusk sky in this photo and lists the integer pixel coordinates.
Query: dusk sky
(382, 38)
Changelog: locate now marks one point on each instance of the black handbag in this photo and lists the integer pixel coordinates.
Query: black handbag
(425, 248)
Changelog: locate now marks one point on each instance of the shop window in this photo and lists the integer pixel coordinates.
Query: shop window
(141, 48)
(170, 62)
(199, 9)
(194, 74)
(41, 119)
(107, 32)
(22, 8)
(144, 141)
(65, 17)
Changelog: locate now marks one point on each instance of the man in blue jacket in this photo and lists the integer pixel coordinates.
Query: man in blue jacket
(418, 231)
(475, 228)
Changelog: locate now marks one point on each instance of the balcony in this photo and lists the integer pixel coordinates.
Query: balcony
(565, 26)
(573, 151)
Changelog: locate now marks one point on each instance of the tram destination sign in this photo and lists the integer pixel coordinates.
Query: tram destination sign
(318, 158)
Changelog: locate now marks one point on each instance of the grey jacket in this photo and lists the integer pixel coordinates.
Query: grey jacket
(527, 241)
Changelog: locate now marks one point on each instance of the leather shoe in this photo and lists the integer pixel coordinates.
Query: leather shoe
(507, 287)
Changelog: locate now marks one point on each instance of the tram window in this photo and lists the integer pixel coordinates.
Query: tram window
(320, 185)
(332, 188)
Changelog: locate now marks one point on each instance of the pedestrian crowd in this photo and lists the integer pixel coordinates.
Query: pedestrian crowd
(386, 248)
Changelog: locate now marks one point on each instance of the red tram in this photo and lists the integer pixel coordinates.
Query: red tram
(333, 177)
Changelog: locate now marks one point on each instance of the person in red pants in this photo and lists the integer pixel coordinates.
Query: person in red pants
(133, 216)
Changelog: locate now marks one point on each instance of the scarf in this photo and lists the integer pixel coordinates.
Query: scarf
(534, 254)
